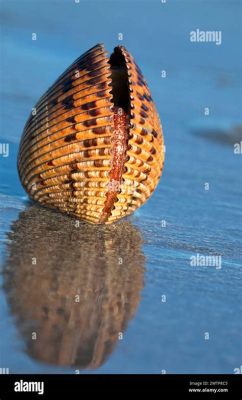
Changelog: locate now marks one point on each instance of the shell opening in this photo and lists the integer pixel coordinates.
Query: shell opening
(120, 81)
(120, 136)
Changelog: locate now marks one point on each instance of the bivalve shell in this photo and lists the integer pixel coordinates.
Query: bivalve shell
(93, 144)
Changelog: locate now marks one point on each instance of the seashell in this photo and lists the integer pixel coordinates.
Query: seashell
(77, 299)
(93, 145)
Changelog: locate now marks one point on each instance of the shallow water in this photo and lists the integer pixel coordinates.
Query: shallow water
(89, 283)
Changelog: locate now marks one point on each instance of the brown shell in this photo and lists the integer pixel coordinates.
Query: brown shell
(69, 151)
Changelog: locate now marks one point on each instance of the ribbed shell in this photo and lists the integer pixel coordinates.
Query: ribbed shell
(65, 155)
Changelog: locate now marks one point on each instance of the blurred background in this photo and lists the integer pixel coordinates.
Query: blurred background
(153, 312)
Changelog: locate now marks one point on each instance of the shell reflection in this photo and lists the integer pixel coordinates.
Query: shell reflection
(75, 287)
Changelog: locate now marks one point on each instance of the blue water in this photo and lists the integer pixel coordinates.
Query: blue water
(158, 336)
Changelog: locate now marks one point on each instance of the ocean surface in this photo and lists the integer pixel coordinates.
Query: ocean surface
(126, 298)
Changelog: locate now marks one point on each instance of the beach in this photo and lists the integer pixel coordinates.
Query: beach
(133, 297)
